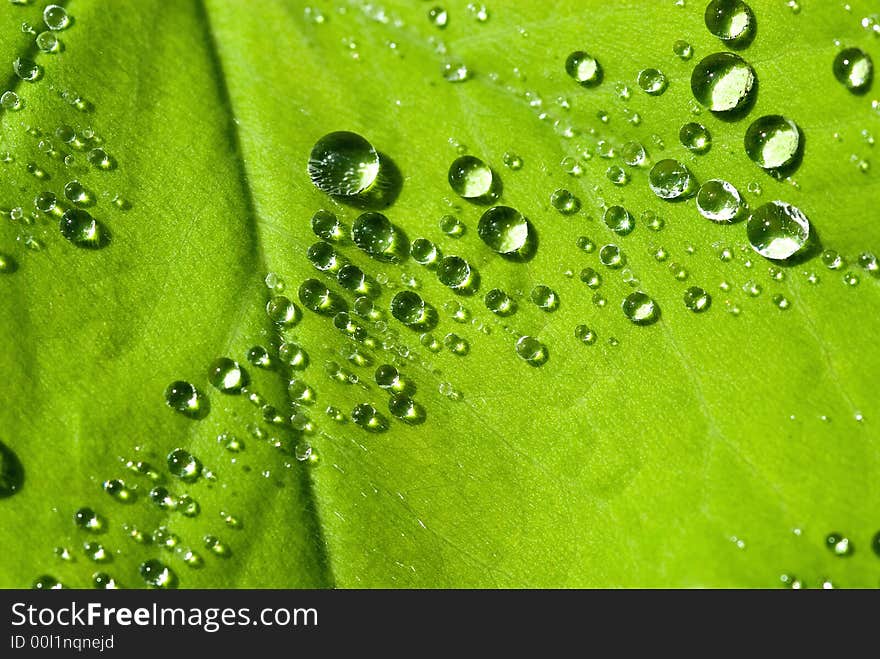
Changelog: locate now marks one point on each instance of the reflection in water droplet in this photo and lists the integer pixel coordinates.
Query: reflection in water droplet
(853, 68)
(719, 201)
(585, 335)
(697, 299)
(470, 178)
(227, 375)
(640, 308)
(652, 81)
(343, 163)
(532, 351)
(777, 230)
(722, 82)
(670, 179)
(583, 68)
(730, 20)
(184, 465)
(772, 141)
(619, 220)
(695, 137)
(183, 397)
(83, 230)
(545, 298)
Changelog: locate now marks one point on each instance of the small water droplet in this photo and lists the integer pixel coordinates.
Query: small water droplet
(839, 544)
(157, 575)
(26, 69)
(452, 226)
(652, 81)
(88, 520)
(83, 230)
(697, 299)
(183, 397)
(851, 279)
(585, 335)
(611, 256)
(619, 220)
(565, 202)
(457, 274)
(532, 351)
(375, 234)
(695, 137)
(56, 17)
(227, 375)
(500, 303)
(316, 297)
(545, 298)
(10, 101)
(682, 49)
(410, 309)
(471, 178)
(368, 417)
(438, 16)
(512, 160)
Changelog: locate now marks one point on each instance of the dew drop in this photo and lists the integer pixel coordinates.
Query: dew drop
(316, 297)
(26, 69)
(157, 575)
(781, 301)
(457, 274)
(456, 344)
(619, 220)
(410, 309)
(500, 303)
(695, 137)
(78, 193)
(639, 308)
(532, 351)
(585, 335)
(634, 154)
(652, 81)
(368, 417)
(10, 101)
(722, 82)
(88, 520)
(227, 375)
(730, 20)
(455, 72)
(777, 230)
(545, 298)
(772, 141)
(343, 163)
(697, 299)
(512, 160)
(438, 16)
(851, 279)
(404, 408)
(616, 175)
(832, 259)
(583, 68)
(839, 544)
(424, 252)
(55, 17)
(121, 492)
(377, 236)
(719, 201)
(183, 397)
(565, 202)
(184, 465)
(103, 581)
(46, 582)
(471, 178)
(83, 230)
(670, 179)
(611, 256)
(591, 278)
(682, 49)
(452, 226)
(47, 42)
(326, 225)
(854, 69)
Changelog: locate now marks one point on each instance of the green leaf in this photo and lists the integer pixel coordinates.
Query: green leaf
(713, 449)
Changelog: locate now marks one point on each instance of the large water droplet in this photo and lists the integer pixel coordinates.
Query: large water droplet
(26, 69)
(853, 68)
(772, 141)
(227, 375)
(532, 351)
(343, 163)
(730, 20)
(471, 178)
(55, 17)
(183, 397)
(670, 179)
(640, 308)
(719, 201)
(722, 82)
(184, 465)
(157, 575)
(11, 472)
(777, 230)
(506, 231)
(583, 68)
(83, 230)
